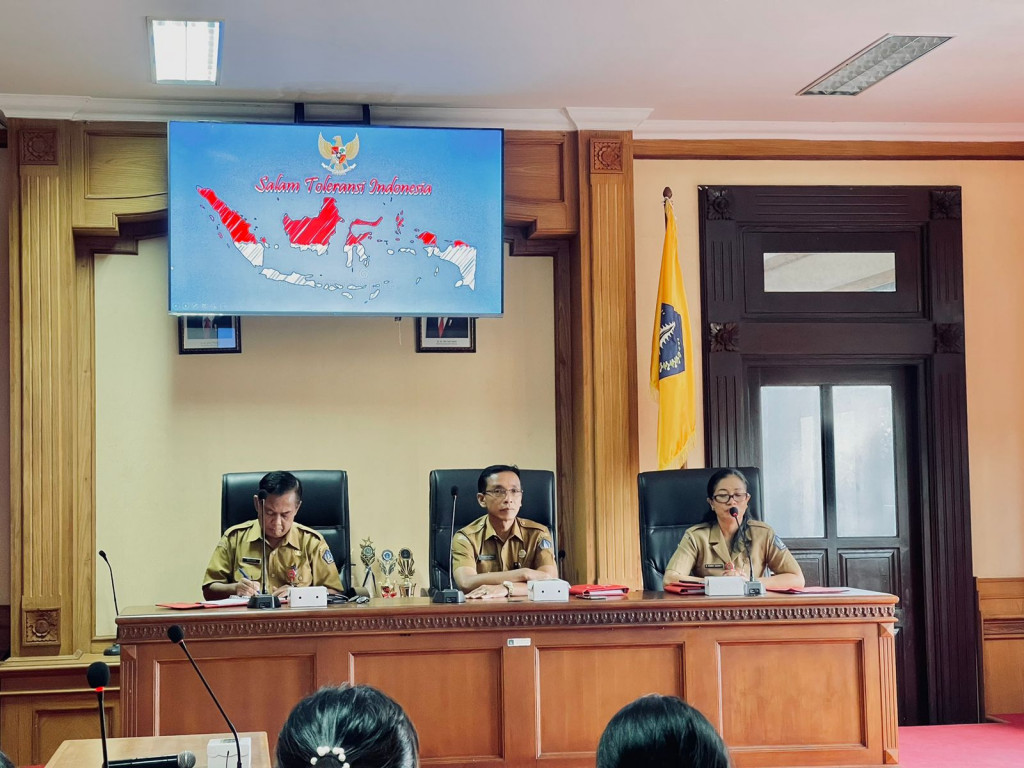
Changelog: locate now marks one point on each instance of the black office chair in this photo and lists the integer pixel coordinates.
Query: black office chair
(670, 502)
(324, 508)
(538, 505)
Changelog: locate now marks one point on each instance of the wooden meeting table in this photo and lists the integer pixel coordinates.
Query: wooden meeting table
(788, 680)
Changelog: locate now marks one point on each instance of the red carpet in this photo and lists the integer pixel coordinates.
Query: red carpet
(987, 745)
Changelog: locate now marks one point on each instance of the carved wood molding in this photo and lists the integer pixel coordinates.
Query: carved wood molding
(37, 146)
(1003, 627)
(719, 203)
(945, 204)
(724, 337)
(605, 156)
(949, 338)
(512, 620)
(42, 627)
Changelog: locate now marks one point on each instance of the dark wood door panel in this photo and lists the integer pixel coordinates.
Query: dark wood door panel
(874, 569)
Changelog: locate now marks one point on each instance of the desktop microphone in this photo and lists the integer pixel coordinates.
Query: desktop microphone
(115, 649)
(451, 595)
(98, 675)
(263, 600)
(752, 588)
(177, 636)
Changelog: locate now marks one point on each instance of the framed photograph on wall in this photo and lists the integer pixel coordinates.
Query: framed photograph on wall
(446, 334)
(209, 334)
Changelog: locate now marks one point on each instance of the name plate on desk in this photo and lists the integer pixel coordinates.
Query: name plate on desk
(724, 586)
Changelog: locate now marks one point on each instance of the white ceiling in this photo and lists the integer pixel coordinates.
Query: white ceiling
(665, 68)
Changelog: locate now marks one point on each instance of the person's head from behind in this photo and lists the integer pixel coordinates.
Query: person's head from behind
(357, 725)
(5, 761)
(660, 732)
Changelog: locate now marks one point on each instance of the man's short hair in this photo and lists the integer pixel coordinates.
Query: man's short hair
(280, 483)
(481, 484)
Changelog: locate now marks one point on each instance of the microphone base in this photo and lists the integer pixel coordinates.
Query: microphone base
(114, 650)
(264, 602)
(449, 596)
(753, 589)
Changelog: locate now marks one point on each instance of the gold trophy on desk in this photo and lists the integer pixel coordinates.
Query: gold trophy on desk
(406, 569)
(387, 568)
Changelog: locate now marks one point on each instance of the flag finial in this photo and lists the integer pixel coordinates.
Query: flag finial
(667, 194)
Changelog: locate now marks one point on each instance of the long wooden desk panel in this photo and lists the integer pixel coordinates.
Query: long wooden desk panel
(788, 680)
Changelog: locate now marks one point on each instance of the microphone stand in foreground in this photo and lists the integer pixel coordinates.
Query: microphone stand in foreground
(263, 600)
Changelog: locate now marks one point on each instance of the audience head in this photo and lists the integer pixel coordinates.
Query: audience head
(494, 469)
(660, 732)
(355, 725)
(5, 761)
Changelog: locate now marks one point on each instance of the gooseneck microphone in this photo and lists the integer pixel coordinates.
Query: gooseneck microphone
(98, 675)
(263, 600)
(177, 636)
(451, 595)
(115, 649)
(752, 587)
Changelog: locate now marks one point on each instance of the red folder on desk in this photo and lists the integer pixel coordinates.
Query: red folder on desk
(808, 590)
(598, 590)
(685, 588)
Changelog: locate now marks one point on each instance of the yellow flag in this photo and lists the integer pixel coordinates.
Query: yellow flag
(672, 357)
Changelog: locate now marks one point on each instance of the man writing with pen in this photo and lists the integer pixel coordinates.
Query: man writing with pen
(297, 556)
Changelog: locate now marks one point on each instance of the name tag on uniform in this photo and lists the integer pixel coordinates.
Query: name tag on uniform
(710, 566)
(483, 558)
(251, 560)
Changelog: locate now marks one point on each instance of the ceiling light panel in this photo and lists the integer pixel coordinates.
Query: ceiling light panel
(185, 51)
(879, 60)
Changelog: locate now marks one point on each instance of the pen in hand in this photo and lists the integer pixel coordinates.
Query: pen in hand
(245, 578)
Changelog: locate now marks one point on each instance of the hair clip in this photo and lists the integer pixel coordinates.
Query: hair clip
(337, 752)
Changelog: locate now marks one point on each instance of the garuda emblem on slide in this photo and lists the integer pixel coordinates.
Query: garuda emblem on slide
(339, 154)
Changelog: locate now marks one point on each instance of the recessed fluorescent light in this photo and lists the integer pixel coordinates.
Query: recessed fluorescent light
(875, 62)
(185, 51)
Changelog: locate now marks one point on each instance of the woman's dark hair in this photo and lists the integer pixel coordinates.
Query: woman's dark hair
(371, 728)
(660, 732)
(710, 516)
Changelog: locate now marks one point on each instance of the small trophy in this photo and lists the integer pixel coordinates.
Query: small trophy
(368, 555)
(387, 568)
(406, 568)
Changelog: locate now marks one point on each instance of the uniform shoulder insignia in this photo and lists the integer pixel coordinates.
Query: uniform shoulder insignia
(328, 557)
(698, 527)
(757, 523)
(545, 544)
(311, 531)
(236, 528)
(779, 543)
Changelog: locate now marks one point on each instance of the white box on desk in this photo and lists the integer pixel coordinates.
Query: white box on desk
(220, 753)
(548, 591)
(307, 597)
(724, 586)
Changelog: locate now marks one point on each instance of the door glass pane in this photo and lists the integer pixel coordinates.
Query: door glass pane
(865, 463)
(791, 455)
(830, 272)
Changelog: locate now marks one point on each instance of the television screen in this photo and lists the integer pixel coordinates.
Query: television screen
(334, 220)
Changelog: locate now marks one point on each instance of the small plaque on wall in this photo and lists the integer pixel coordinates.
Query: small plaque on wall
(446, 334)
(209, 334)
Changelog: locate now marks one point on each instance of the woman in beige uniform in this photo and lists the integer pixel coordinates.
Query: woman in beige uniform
(718, 546)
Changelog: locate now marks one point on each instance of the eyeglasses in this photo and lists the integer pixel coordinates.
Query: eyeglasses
(724, 498)
(502, 493)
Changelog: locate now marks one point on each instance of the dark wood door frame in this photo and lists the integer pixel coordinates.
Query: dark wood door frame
(931, 336)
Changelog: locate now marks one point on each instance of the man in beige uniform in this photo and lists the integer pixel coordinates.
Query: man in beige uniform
(495, 555)
(298, 556)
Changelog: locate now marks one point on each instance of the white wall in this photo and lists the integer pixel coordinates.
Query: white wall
(306, 393)
(993, 240)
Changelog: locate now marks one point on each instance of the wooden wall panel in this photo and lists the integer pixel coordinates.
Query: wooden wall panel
(41, 707)
(257, 688)
(1001, 603)
(467, 682)
(581, 688)
(541, 183)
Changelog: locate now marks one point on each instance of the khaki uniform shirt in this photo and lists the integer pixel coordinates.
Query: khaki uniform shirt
(303, 559)
(478, 546)
(703, 552)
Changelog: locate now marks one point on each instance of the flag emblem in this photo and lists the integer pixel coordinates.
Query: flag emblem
(670, 343)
